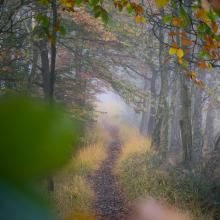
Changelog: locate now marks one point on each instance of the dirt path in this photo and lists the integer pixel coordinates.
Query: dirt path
(110, 204)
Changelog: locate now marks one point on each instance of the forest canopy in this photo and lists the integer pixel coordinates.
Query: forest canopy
(192, 27)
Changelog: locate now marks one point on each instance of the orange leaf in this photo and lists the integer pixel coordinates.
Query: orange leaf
(202, 65)
(200, 14)
(118, 5)
(183, 33)
(175, 45)
(176, 21)
(199, 83)
(186, 42)
(173, 33)
(138, 8)
(214, 27)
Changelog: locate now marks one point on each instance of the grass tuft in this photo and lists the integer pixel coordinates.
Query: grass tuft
(143, 173)
(74, 196)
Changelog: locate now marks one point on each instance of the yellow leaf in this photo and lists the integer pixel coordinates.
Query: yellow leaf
(82, 216)
(180, 60)
(179, 53)
(138, 19)
(143, 20)
(207, 20)
(172, 51)
(210, 66)
(162, 3)
(69, 5)
(193, 75)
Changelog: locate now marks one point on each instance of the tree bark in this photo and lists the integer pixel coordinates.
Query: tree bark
(151, 121)
(45, 67)
(35, 57)
(144, 116)
(214, 160)
(48, 67)
(53, 49)
(185, 121)
(186, 107)
(197, 130)
(209, 130)
(160, 131)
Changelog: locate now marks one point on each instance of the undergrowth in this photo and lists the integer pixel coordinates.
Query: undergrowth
(73, 192)
(143, 173)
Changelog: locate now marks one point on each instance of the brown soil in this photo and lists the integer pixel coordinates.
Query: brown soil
(110, 204)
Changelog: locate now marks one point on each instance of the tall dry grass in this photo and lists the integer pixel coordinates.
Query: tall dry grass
(73, 192)
(143, 173)
(133, 142)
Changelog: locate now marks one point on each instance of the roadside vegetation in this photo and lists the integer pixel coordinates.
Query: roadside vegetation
(143, 173)
(74, 195)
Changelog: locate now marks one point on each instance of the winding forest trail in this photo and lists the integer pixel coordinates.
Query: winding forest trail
(110, 204)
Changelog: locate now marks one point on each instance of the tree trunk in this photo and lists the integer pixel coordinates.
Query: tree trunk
(144, 116)
(151, 121)
(174, 112)
(214, 161)
(160, 131)
(35, 57)
(186, 107)
(48, 69)
(185, 121)
(209, 130)
(45, 67)
(52, 76)
(197, 130)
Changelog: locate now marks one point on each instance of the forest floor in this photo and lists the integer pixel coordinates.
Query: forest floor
(110, 203)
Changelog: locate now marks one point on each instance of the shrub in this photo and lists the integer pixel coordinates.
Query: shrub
(143, 173)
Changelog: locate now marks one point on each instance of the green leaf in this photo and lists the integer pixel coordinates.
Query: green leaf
(101, 12)
(174, 5)
(79, 2)
(62, 30)
(195, 7)
(212, 15)
(183, 13)
(130, 9)
(43, 20)
(202, 54)
(43, 2)
(104, 16)
(185, 64)
(36, 138)
(94, 2)
(185, 18)
(167, 19)
(218, 13)
(97, 11)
